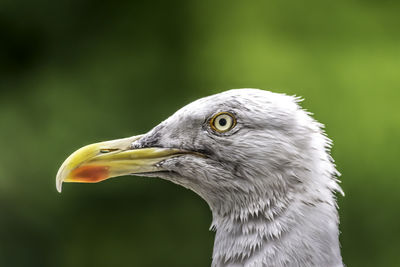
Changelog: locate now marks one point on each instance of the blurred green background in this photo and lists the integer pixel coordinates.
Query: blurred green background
(80, 71)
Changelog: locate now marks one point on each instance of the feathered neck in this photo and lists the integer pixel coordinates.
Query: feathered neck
(297, 232)
(288, 214)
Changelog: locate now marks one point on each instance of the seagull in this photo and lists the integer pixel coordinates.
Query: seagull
(259, 160)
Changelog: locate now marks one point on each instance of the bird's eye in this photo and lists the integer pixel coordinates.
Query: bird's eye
(222, 122)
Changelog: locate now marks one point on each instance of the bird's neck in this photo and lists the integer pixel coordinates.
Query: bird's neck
(294, 232)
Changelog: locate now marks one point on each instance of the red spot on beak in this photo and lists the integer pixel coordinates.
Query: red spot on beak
(89, 174)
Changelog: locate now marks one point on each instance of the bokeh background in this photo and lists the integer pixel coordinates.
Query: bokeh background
(80, 71)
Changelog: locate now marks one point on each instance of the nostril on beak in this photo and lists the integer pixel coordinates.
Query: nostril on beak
(108, 150)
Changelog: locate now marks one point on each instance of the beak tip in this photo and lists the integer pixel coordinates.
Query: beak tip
(59, 185)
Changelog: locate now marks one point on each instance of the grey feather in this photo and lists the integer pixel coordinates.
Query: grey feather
(270, 182)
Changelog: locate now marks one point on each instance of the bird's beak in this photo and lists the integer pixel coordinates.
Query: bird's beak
(97, 162)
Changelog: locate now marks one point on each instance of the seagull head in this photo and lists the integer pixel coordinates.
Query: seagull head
(228, 148)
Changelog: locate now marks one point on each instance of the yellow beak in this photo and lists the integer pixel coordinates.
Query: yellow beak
(100, 161)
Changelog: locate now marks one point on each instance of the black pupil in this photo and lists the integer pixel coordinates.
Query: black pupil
(222, 122)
